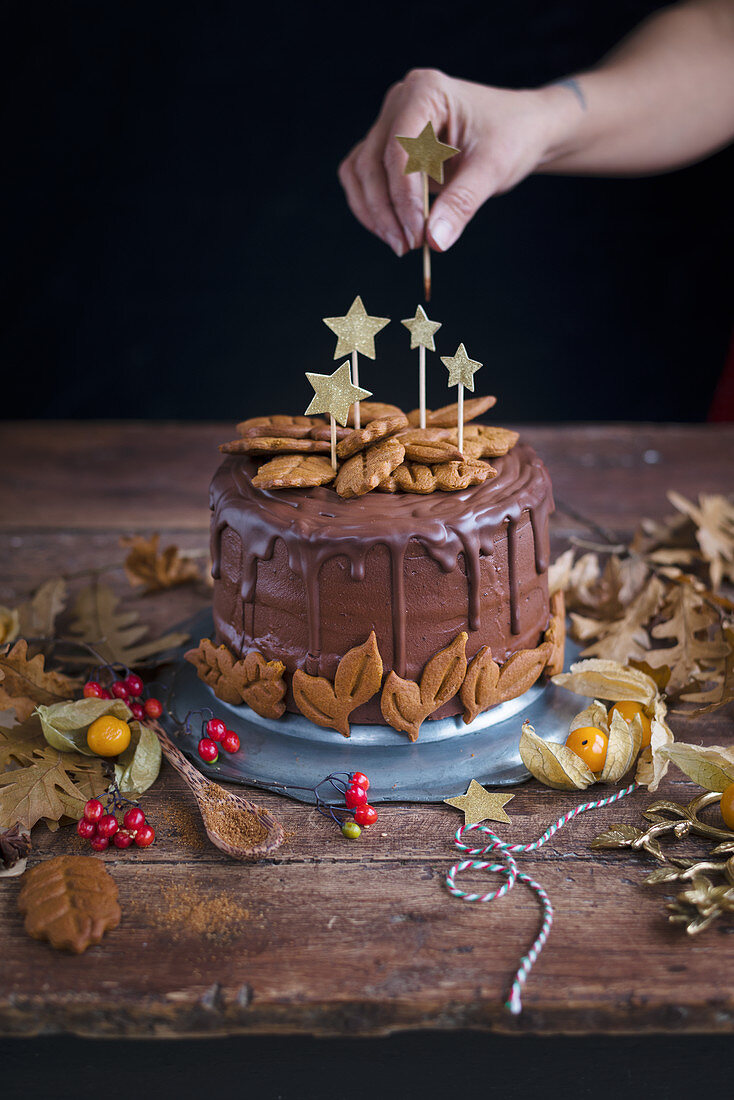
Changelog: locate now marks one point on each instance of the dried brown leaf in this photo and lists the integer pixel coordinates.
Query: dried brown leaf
(627, 638)
(39, 614)
(25, 682)
(714, 520)
(156, 569)
(116, 635)
(694, 629)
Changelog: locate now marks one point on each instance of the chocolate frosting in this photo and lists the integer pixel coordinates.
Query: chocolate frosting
(303, 531)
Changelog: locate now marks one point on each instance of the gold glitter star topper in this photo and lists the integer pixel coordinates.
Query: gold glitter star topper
(356, 332)
(461, 373)
(421, 330)
(479, 804)
(334, 394)
(426, 154)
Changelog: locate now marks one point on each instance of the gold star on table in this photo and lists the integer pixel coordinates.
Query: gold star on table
(480, 805)
(356, 331)
(461, 368)
(334, 394)
(421, 330)
(426, 153)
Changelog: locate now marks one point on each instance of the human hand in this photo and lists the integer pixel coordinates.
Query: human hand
(503, 136)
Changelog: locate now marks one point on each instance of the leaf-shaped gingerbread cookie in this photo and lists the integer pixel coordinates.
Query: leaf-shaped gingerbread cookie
(405, 704)
(250, 679)
(358, 677)
(71, 901)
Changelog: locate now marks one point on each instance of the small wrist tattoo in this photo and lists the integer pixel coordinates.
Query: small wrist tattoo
(573, 85)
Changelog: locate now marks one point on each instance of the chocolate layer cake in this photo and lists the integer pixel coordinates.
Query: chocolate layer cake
(302, 575)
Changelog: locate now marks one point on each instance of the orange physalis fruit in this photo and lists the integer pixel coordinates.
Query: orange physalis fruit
(590, 744)
(628, 710)
(108, 736)
(727, 806)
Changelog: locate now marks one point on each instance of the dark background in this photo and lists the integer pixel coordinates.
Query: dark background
(174, 229)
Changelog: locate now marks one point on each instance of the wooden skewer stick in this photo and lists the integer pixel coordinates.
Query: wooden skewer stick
(355, 382)
(333, 441)
(426, 249)
(422, 384)
(461, 418)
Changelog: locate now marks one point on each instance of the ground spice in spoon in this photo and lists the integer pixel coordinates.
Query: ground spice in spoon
(235, 826)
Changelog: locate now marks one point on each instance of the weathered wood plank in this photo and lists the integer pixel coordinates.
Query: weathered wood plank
(340, 937)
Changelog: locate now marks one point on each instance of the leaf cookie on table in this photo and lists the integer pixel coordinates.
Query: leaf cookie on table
(71, 901)
(405, 704)
(359, 438)
(364, 471)
(272, 445)
(279, 427)
(358, 677)
(250, 679)
(294, 472)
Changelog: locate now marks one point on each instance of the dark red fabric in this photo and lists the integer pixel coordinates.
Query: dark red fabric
(722, 405)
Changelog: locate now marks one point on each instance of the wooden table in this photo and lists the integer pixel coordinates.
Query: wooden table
(330, 936)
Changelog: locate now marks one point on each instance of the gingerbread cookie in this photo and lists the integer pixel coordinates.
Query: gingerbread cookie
(267, 445)
(294, 472)
(359, 438)
(364, 471)
(71, 901)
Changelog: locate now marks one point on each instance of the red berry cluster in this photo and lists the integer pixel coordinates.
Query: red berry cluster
(130, 690)
(99, 827)
(217, 734)
(355, 799)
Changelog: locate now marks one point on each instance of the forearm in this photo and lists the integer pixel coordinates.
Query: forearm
(662, 99)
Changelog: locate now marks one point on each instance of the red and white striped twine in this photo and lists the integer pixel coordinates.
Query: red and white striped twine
(509, 869)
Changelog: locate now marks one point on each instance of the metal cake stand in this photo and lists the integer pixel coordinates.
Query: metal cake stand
(292, 752)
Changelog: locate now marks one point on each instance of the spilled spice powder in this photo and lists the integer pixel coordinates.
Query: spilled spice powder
(235, 826)
(184, 910)
(183, 825)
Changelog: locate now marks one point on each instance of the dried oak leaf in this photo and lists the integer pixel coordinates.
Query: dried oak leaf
(689, 622)
(714, 520)
(24, 682)
(30, 793)
(721, 691)
(71, 901)
(18, 743)
(623, 639)
(9, 625)
(116, 635)
(405, 704)
(554, 765)
(250, 679)
(358, 677)
(156, 569)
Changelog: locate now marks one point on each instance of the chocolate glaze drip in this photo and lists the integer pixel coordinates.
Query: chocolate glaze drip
(316, 525)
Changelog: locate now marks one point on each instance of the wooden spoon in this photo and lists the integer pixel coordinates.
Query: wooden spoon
(226, 816)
